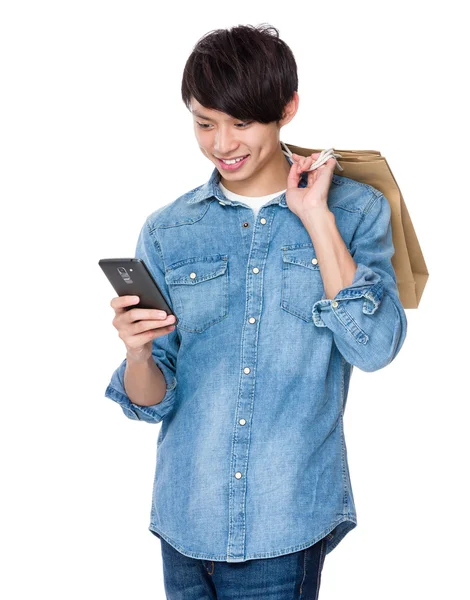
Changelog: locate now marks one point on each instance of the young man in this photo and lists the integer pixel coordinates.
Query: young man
(282, 282)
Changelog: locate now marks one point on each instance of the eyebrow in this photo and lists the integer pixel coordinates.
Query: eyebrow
(196, 113)
(201, 116)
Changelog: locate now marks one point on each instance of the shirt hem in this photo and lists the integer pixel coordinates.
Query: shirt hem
(331, 542)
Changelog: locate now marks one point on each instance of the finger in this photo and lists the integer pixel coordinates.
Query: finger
(293, 177)
(142, 326)
(312, 177)
(315, 154)
(145, 314)
(306, 163)
(136, 341)
(330, 164)
(297, 156)
(120, 302)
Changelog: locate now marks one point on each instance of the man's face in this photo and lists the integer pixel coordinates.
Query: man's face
(220, 136)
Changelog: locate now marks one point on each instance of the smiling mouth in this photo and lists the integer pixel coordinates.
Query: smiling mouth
(233, 164)
(230, 161)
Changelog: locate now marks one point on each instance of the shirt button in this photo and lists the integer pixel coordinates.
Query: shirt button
(246, 224)
(242, 421)
(334, 304)
(192, 275)
(238, 475)
(255, 270)
(247, 370)
(252, 320)
(314, 261)
(263, 221)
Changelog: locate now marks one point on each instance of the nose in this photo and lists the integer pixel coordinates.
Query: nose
(225, 142)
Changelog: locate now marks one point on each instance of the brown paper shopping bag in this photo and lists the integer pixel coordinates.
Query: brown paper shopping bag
(369, 166)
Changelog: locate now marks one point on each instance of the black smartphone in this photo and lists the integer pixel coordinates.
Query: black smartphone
(131, 277)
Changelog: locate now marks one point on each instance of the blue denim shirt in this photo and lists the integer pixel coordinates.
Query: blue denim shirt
(251, 455)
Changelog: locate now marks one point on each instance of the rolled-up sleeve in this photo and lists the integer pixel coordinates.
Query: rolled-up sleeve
(164, 348)
(367, 318)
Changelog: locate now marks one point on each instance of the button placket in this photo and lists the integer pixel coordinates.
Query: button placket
(241, 441)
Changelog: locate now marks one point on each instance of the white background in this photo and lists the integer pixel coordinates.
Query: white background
(94, 137)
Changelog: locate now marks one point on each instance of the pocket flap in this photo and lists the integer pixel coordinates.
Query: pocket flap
(301, 255)
(194, 270)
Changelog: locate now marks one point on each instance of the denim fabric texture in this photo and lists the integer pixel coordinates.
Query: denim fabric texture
(251, 454)
(294, 576)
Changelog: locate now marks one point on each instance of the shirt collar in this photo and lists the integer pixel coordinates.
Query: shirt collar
(211, 190)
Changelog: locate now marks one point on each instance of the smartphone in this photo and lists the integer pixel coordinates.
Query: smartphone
(131, 277)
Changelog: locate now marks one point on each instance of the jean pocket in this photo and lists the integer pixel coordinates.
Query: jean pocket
(199, 291)
(302, 284)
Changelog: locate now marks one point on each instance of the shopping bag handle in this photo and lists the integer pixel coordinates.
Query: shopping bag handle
(324, 156)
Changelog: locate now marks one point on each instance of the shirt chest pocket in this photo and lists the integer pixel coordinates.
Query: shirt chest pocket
(199, 291)
(302, 284)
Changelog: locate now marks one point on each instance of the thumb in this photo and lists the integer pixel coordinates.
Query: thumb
(293, 177)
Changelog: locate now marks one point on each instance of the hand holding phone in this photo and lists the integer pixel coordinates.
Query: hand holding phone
(141, 311)
(138, 327)
(132, 277)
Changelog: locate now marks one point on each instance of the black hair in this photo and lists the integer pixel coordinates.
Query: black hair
(247, 72)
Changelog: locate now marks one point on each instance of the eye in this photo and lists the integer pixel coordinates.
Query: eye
(243, 125)
(203, 125)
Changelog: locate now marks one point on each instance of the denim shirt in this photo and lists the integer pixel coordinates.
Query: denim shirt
(251, 455)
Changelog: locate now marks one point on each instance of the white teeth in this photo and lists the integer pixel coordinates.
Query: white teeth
(232, 162)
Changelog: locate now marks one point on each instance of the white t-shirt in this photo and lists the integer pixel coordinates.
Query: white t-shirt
(255, 202)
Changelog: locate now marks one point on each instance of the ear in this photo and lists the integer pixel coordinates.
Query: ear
(290, 109)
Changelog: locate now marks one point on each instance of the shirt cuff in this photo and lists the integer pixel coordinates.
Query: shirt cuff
(366, 285)
(151, 414)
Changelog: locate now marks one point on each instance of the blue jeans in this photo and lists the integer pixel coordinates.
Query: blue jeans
(294, 576)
